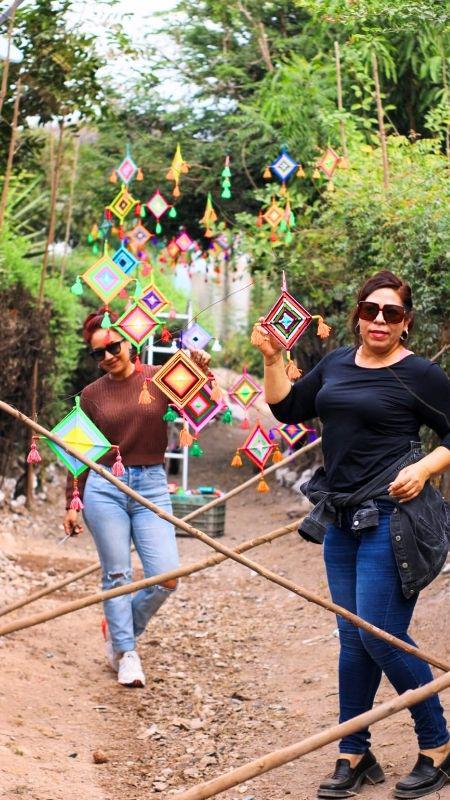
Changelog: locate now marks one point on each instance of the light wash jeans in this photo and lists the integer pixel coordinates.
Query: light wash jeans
(115, 520)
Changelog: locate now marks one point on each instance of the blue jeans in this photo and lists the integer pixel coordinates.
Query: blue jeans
(363, 578)
(115, 520)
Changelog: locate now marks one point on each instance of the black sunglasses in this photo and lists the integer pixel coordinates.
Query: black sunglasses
(98, 354)
(391, 314)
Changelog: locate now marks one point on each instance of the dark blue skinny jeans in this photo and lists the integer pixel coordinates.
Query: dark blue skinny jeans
(363, 577)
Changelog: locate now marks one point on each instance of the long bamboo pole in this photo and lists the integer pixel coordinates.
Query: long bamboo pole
(340, 103)
(188, 570)
(7, 61)
(215, 545)
(287, 754)
(11, 151)
(73, 177)
(24, 601)
(380, 115)
(129, 588)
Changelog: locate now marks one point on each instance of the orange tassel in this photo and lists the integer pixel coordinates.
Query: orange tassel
(137, 365)
(216, 392)
(176, 191)
(257, 338)
(267, 174)
(113, 177)
(185, 437)
(209, 233)
(273, 237)
(140, 175)
(262, 486)
(316, 174)
(277, 456)
(283, 188)
(300, 172)
(245, 424)
(145, 397)
(237, 460)
(343, 163)
(323, 330)
(170, 176)
(259, 219)
(292, 371)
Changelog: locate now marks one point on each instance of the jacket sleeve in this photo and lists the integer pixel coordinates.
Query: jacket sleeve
(300, 404)
(433, 403)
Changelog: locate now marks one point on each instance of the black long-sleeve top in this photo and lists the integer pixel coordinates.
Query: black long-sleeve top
(369, 416)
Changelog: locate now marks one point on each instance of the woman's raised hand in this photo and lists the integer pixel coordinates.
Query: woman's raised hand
(269, 346)
(201, 358)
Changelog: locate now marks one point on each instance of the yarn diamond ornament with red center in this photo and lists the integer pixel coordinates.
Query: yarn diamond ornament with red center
(180, 379)
(136, 324)
(257, 446)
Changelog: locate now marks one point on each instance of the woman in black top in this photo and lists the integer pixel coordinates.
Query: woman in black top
(372, 401)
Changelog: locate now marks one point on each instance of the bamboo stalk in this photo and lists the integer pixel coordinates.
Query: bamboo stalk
(339, 98)
(73, 178)
(11, 152)
(287, 754)
(40, 298)
(24, 601)
(7, 61)
(381, 128)
(188, 570)
(129, 588)
(215, 545)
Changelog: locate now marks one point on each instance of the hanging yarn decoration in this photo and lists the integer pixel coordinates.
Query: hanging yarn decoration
(34, 456)
(258, 447)
(262, 485)
(127, 170)
(170, 415)
(323, 330)
(227, 417)
(209, 217)
(292, 370)
(121, 206)
(158, 206)
(118, 468)
(180, 379)
(225, 180)
(328, 162)
(196, 450)
(178, 167)
(245, 391)
(236, 461)
(104, 277)
(287, 320)
(273, 216)
(186, 439)
(78, 431)
(283, 168)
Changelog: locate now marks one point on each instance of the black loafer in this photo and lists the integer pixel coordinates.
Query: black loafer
(346, 781)
(424, 778)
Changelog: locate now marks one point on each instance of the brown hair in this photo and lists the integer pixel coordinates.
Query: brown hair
(385, 279)
(93, 322)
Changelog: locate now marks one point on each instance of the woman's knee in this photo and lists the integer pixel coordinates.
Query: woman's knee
(116, 577)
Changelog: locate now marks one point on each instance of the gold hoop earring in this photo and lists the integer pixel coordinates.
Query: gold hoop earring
(404, 335)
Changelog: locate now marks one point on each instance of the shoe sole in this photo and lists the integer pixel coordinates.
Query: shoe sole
(373, 775)
(411, 794)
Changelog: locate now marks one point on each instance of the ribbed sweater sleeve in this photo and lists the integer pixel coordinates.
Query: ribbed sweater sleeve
(139, 430)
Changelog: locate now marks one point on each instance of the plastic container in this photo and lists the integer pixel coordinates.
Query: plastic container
(211, 521)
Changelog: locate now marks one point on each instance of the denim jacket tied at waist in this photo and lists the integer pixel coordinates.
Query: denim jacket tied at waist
(420, 529)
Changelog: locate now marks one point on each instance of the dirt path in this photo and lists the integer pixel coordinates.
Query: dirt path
(236, 667)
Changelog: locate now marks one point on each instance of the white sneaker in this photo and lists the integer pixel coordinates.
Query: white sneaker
(112, 656)
(130, 670)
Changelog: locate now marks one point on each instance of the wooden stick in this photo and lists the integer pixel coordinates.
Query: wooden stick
(248, 545)
(381, 128)
(215, 545)
(11, 151)
(129, 588)
(287, 754)
(73, 177)
(339, 98)
(7, 61)
(24, 601)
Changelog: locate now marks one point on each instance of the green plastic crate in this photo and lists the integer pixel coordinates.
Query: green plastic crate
(211, 522)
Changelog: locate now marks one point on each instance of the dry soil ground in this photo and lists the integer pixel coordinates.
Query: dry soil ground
(236, 667)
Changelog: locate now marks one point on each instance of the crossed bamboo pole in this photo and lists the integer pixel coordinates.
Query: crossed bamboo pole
(219, 547)
(286, 754)
(24, 601)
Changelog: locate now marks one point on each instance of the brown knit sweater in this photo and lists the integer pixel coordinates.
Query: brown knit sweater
(139, 430)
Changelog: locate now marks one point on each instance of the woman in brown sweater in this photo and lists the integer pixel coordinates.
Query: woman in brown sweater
(114, 520)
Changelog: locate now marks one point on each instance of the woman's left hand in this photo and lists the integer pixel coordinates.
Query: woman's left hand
(201, 358)
(409, 482)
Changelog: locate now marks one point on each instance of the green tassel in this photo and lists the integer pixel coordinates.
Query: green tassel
(170, 415)
(288, 238)
(226, 172)
(106, 321)
(77, 287)
(90, 238)
(95, 249)
(158, 228)
(226, 182)
(283, 225)
(226, 194)
(143, 213)
(77, 402)
(227, 417)
(173, 212)
(292, 219)
(196, 450)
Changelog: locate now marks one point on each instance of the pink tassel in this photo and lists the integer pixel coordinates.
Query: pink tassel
(33, 456)
(118, 468)
(76, 503)
(137, 365)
